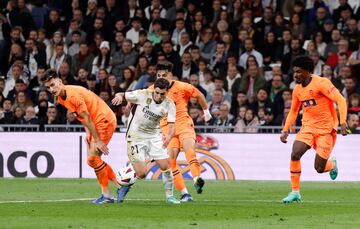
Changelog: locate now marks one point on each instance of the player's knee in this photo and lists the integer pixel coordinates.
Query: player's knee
(319, 169)
(172, 163)
(295, 156)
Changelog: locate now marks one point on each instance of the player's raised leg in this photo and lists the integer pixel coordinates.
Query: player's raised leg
(324, 146)
(299, 148)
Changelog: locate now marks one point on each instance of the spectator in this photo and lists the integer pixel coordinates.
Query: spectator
(103, 60)
(232, 75)
(318, 63)
(349, 88)
(354, 104)
(144, 79)
(81, 77)
(114, 86)
(333, 45)
(249, 124)
(269, 48)
(297, 27)
(30, 116)
(155, 4)
(262, 100)
(185, 68)
(59, 58)
(296, 50)
(19, 86)
(18, 117)
(179, 29)
(6, 113)
(249, 50)
(184, 43)
(51, 49)
(196, 115)
(222, 118)
(333, 59)
(216, 101)
(250, 83)
(65, 75)
(125, 58)
(353, 123)
(34, 57)
(22, 101)
(10, 82)
(218, 59)
(275, 89)
(133, 33)
(207, 45)
(194, 80)
(208, 83)
(239, 100)
(130, 81)
(42, 97)
(91, 84)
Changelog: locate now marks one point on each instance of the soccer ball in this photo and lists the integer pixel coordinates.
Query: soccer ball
(126, 176)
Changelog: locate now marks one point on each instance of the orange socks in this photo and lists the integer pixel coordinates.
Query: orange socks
(178, 179)
(193, 162)
(103, 172)
(295, 171)
(329, 166)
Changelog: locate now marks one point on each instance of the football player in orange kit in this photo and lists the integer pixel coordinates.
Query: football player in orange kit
(99, 121)
(180, 93)
(316, 96)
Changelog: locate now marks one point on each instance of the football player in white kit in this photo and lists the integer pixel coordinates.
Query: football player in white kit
(144, 137)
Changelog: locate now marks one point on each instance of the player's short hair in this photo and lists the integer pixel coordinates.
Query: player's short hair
(164, 65)
(162, 83)
(304, 62)
(50, 74)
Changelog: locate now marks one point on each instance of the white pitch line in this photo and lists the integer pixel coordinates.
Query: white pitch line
(215, 201)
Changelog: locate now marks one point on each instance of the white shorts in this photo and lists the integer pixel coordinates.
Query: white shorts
(140, 150)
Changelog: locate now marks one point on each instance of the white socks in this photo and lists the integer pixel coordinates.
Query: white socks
(168, 181)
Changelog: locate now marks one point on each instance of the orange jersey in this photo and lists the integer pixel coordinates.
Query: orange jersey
(180, 93)
(79, 99)
(317, 102)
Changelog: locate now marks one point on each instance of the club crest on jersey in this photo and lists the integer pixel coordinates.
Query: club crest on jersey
(148, 102)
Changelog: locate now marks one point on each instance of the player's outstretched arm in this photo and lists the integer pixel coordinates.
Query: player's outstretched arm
(202, 101)
(88, 123)
(118, 99)
(290, 119)
(330, 91)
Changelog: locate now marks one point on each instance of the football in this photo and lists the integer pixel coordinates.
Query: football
(126, 176)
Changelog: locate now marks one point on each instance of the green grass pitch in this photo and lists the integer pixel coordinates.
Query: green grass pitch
(64, 203)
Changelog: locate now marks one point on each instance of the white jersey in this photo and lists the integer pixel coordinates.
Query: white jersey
(145, 115)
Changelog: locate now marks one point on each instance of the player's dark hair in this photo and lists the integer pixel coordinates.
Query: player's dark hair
(162, 83)
(164, 65)
(50, 74)
(304, 62)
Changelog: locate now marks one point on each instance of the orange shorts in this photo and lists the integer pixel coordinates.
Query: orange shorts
(183, 131)
(105, 130)
(322, 143)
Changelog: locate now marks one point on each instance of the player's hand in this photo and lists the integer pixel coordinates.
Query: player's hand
(344, 129)
(100, 145)
(166, 140)
(207, 115)
(283, 137)
(118, 99)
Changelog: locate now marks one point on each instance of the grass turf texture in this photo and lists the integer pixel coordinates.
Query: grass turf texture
(240, 204)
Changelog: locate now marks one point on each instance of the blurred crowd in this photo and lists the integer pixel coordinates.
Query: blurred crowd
(238, 53)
